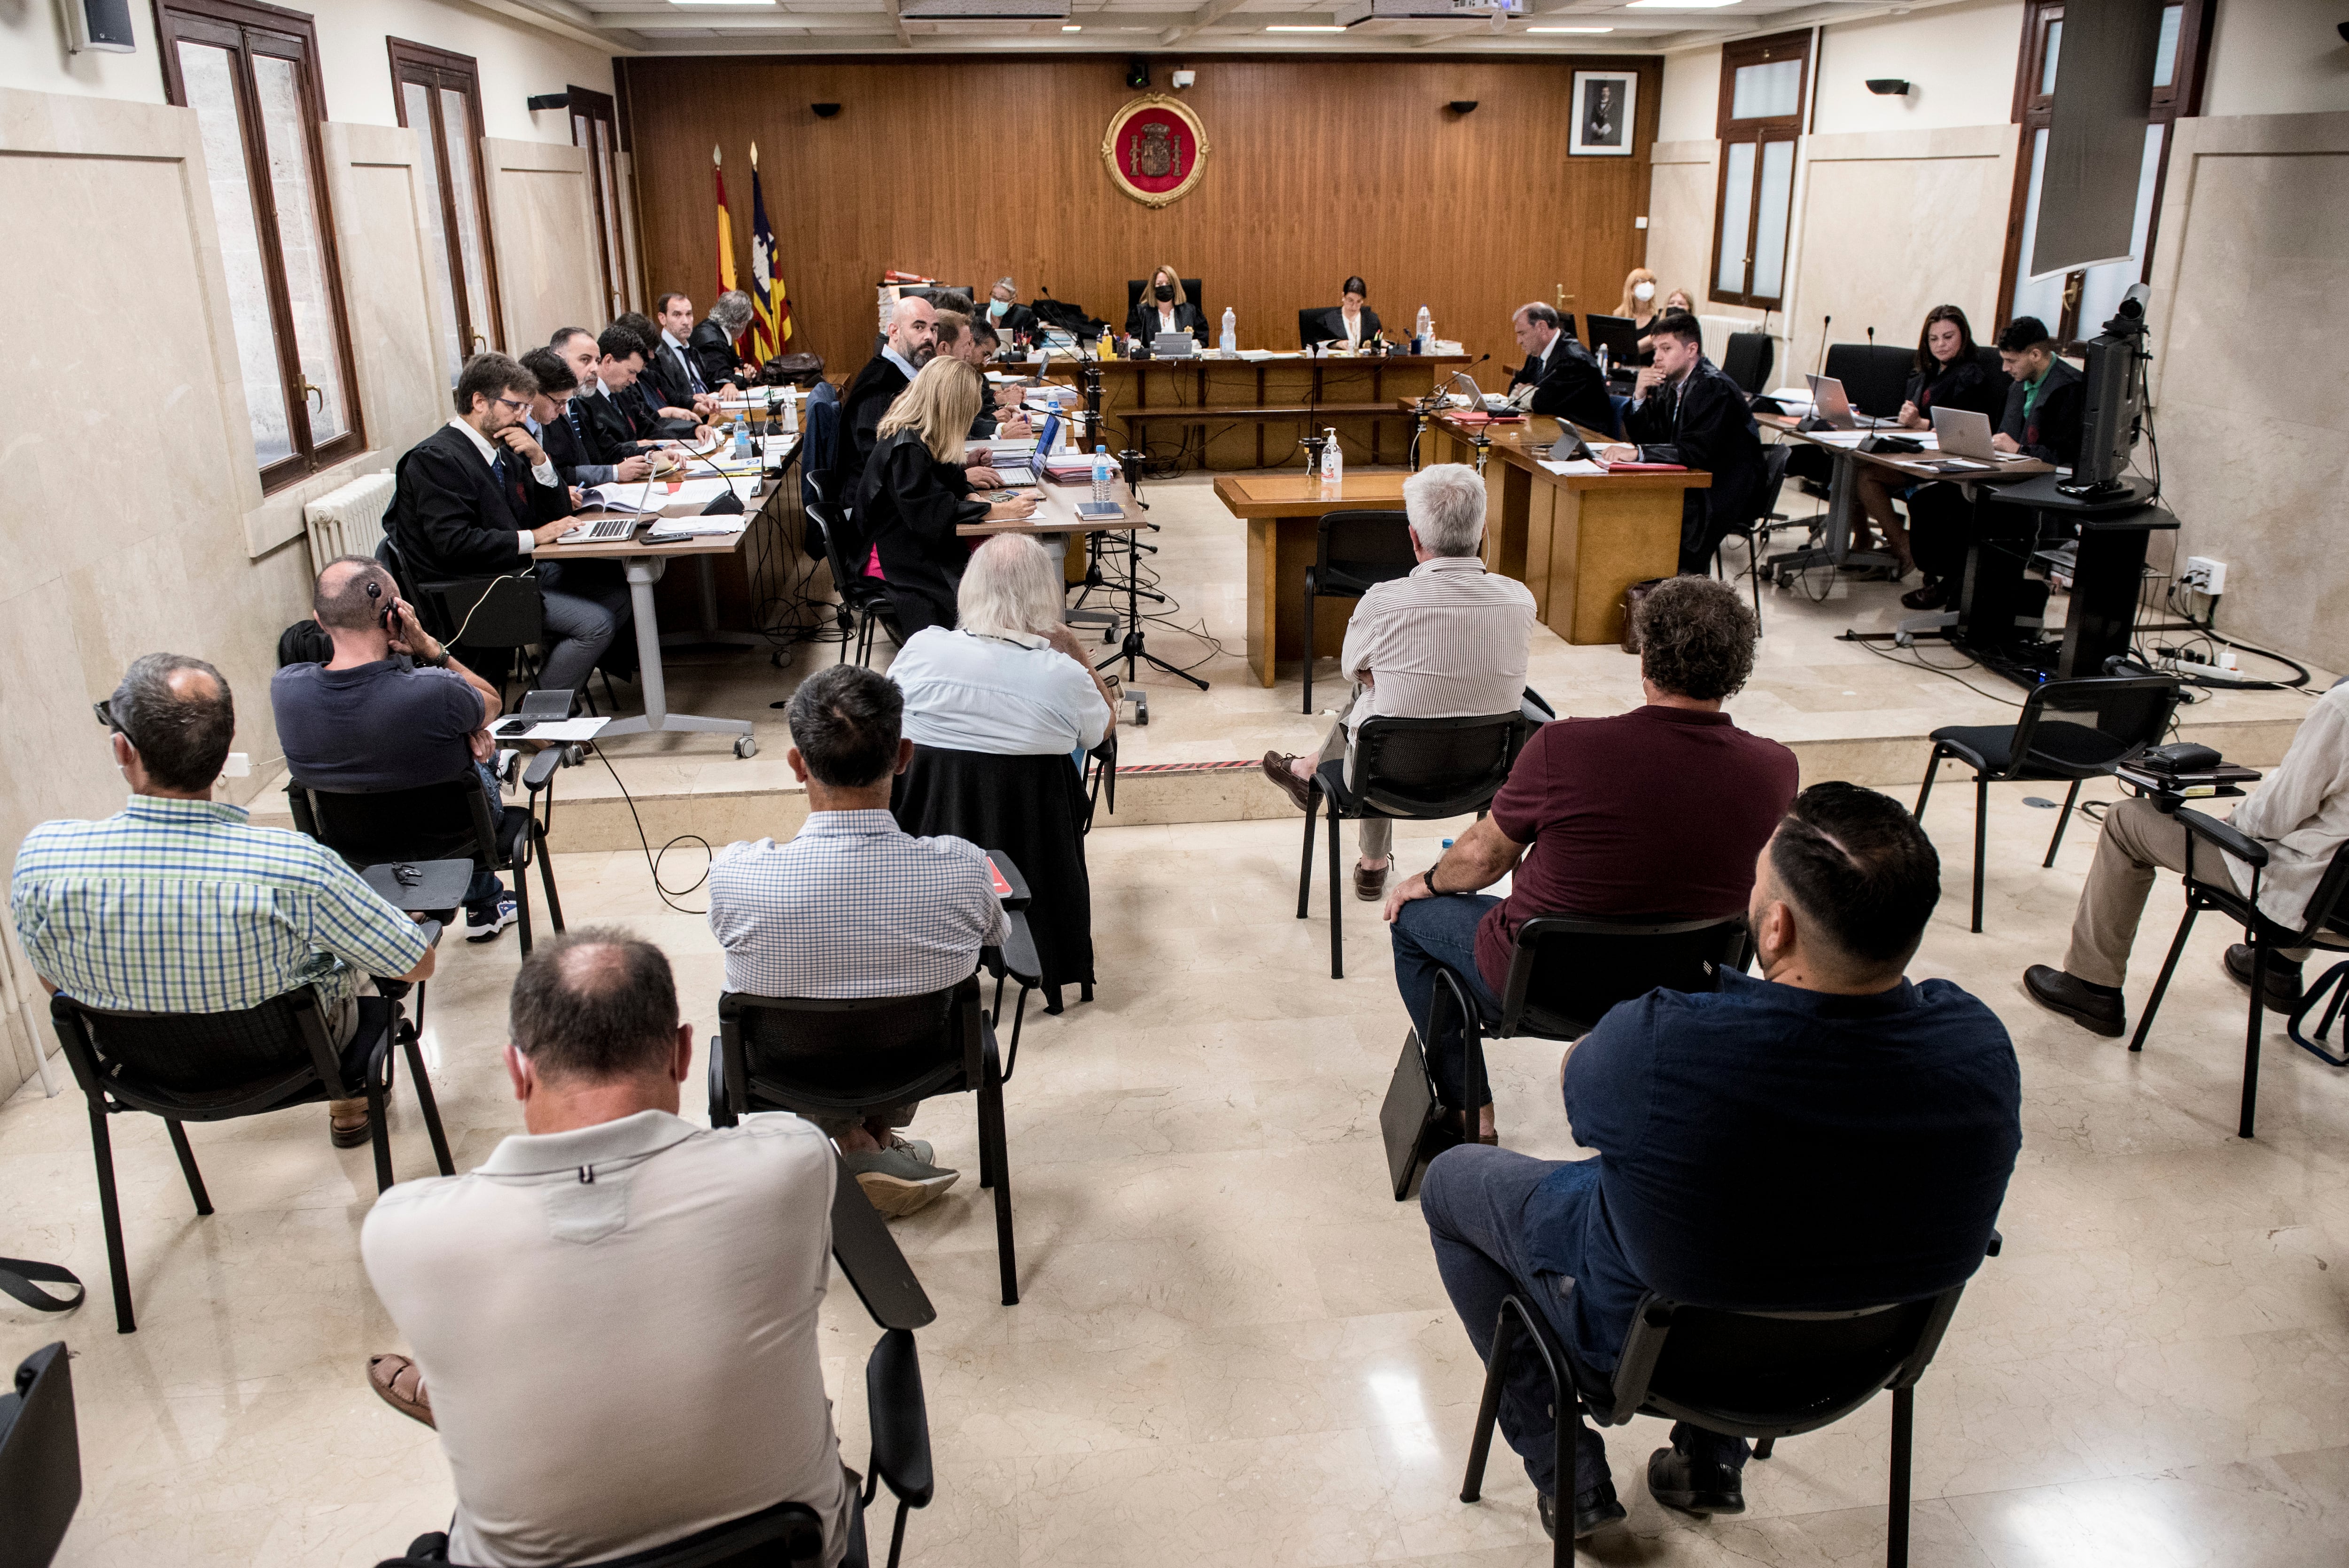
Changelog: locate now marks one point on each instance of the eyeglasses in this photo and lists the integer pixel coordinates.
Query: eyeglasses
(105, 711)
(514, 403)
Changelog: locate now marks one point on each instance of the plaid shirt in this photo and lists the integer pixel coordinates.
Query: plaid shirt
(853, 906)
(178, 906)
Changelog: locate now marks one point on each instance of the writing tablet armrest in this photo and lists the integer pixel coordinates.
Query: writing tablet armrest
(1018, 897)
(542, 768)
(868, 1256)
(2226, 835)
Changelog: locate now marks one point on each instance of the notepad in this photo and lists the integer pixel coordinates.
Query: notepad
(1573, 466)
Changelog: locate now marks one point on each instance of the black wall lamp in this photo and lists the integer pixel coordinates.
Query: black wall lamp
(824, 110)
(1462, 106)
(1888, 87)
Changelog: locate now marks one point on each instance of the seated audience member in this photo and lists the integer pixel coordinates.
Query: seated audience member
(916, 491)
(854, 906)
(1009, 317)
(911, 342)
(368, 719)
(1447, 642)
(2299, 812)
(558, 426)
(1567, 381)
(2045, 403)
(1677, 300)
(1685, 411)
(478, 497)
(614, 1316)
(1657, 811)
(175, 904)
(1827, 1136)
(1011, 678)
(713, 343)
(1351, 322)
(1165, 306)
(1639, 307)
(1946, 375)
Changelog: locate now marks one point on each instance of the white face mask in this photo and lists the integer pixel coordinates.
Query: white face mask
(1644, 291)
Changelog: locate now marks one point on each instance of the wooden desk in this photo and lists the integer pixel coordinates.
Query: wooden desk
(1249, 413)
(1284, 522)
(1844, 519)
(1578, 540)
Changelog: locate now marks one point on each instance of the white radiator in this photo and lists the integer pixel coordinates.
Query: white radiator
(349, 520)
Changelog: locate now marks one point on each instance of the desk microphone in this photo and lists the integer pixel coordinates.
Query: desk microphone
(1824, 322)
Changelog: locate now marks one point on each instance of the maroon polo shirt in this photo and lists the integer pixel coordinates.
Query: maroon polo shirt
(1659, 810)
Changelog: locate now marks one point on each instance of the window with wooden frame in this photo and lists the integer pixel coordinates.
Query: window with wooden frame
(595, 127)
(1764, 82)
(2075, 304)
(250, 71)
(439, 96)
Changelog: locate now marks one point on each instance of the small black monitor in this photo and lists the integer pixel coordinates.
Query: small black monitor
(1616, 334)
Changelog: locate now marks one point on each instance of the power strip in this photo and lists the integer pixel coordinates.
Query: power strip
(2212, 674)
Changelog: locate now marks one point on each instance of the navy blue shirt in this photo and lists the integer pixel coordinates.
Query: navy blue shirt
(381, 725)
(1770, 1148)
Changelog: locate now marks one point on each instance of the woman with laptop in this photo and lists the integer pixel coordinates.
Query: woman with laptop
(1949, 374)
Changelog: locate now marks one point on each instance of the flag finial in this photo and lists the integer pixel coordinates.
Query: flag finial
(754, 155)
(717, 155)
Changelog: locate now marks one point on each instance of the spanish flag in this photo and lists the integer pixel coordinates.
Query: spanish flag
(771, 322)
(725, 223)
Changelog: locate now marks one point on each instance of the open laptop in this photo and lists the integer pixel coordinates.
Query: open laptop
(1963, 433)
(1834, 409)
(1016, 475)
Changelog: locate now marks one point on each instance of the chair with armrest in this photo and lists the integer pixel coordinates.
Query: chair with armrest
(40, 1459)
(1759, 1374)
(1411, 770)
(2125, 715)
(1352, 550)
(1756, 530)
(217, 1067)
(433, 821)
(783, 1535)
(2324, 922)
(856, 1057)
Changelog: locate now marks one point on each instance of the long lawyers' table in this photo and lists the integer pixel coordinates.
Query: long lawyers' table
(1578, 540)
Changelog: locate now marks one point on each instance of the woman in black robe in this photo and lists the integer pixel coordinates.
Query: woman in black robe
(916, 493)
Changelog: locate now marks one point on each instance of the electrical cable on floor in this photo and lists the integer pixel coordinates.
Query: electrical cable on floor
(669, 895)
(1919, 664)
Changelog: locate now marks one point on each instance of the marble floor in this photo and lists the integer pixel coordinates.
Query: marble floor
(1233, 1348)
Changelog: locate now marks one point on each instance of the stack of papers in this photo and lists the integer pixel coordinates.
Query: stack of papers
(670, 528)
(1574, 466)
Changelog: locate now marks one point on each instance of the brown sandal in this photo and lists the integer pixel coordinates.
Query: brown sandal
(398, 1382)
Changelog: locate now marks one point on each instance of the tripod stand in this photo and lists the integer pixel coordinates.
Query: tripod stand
(1133, 650)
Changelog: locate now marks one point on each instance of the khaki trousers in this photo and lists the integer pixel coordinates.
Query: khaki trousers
(1375, 834)
(2138, 840)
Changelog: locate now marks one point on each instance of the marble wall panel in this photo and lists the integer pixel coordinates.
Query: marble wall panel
(380, 189)
(542, 220)
(2253, 459)
(1680, 214)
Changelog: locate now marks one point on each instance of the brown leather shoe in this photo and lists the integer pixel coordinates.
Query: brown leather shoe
(398, 1383)
(1369, 885)
(1276, 767)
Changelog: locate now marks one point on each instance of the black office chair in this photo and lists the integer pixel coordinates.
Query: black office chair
(864, 601)
(40, 1459)
(2130, 714)
(217, 1067)
(856, 1057)
(1756, 533)
(1746, 359)
(1875, 376)
(1411, 770)
(1313, 326)
(2324, 922)
(1566, 971)
(1192, 295)
(1759, 1374)
(1352, 550)
(449, 820)
(1101, 779)
(786, 1535)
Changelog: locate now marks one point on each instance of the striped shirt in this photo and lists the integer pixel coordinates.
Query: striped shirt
(853, 906)
(178, 906)
(1447, 642)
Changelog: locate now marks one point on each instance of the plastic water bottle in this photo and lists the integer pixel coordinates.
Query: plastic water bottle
(1602, 359)
(792, 412)
(1333, 464)
(742, 439)
(1423, 332)
(1230, 341)
(1101, 474)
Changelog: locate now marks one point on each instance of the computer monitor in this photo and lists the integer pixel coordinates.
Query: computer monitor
(1616, 334)
(2112, 404)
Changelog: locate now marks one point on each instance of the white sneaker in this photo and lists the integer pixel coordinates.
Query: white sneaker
(485, 930)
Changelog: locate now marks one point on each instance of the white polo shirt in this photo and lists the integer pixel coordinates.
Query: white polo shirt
(1013, 695)
(617, 1331)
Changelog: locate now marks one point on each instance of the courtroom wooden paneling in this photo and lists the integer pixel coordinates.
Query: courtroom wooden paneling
(974, 167)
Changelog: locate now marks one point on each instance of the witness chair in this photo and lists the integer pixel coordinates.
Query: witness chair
(1760, 1375)
(1353, 551)
(448, 819)
(2324, 922)
(40, 1459)
(1746, 360)
(855, 1056)
(864, 601)
(1756, 531)
(218, 1066)
(1409, 769)
(2129, 714)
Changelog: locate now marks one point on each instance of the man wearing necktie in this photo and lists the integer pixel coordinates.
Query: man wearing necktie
(1685, 411)
(556, 420)
(679, 377)
(476, 500)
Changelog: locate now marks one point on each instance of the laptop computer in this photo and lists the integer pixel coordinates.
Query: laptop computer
(1834, 409)
(1963, 433)
(1019, 474)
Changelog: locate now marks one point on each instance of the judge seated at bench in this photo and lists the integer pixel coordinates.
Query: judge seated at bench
(1685, 411)
(1164, 307)
(1353, 323)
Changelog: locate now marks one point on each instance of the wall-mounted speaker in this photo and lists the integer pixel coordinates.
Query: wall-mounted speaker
(100, 24)
(1462, 106)
(550, 100)
(824, 110)
(1889, 87)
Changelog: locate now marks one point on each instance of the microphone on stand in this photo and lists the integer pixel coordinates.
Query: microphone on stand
(1811, 421)
(1824, 322)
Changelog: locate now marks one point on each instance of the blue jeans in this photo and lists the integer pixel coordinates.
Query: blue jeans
(484, 893)
(1473, 1198)
(1439, 933)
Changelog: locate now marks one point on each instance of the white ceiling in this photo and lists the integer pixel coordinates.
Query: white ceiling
(1154, 26)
